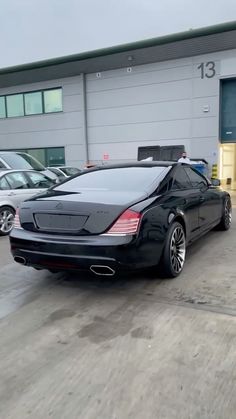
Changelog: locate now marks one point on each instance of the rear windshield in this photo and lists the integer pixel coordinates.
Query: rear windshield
(70, 171)
(21, 161)
(117, 179)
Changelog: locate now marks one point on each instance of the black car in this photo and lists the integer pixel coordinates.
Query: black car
(127, 216)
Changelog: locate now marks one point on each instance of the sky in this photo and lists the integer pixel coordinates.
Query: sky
(33, 30)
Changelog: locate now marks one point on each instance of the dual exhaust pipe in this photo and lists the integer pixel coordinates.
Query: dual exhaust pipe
(100, 270)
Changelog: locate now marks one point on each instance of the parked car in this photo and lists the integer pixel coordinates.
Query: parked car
(128, 216)
(22, 161)
(63, 172)
(15, 187)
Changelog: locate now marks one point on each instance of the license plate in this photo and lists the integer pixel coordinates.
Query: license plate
(60, 222)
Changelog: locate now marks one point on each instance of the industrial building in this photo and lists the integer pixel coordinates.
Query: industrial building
(99, 106)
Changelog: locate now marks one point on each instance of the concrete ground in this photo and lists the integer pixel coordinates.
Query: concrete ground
(78, 347)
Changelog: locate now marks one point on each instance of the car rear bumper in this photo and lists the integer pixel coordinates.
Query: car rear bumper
(72, 253)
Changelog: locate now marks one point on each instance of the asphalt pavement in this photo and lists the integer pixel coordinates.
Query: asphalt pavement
(82, 347)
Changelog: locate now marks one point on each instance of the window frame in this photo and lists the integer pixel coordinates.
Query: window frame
(5, 178)
(204, 180)
(7, 113)
(38, 113)
(23, 175)
(174, 178)
(5, 106)
(31, 183)
(42, 99)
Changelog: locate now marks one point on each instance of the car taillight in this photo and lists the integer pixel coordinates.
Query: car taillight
(17, 223)
(126, 224)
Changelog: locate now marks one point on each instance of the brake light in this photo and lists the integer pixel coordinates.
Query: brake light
(126, 224)
(17, 223)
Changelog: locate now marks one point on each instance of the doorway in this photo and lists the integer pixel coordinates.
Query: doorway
(228, 165)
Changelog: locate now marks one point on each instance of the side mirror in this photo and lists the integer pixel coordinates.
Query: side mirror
(215, 182)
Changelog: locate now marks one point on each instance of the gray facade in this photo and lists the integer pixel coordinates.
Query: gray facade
(113, 112)
(165, 103)
(62, 129)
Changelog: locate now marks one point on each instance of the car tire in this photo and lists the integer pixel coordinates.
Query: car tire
(226, 219)
(174, 252)
(7, 215)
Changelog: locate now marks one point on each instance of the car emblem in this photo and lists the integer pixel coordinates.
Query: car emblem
(59, 205)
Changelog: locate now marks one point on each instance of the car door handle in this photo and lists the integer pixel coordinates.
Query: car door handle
(202, 199)
(11, 193)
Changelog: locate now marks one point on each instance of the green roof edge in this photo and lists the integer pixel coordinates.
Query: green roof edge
(162, 40)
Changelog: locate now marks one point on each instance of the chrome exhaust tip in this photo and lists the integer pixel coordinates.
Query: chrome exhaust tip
(20, 259)
(102, 270)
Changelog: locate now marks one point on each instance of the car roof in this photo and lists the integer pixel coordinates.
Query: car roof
(137, 164)
(5, 171)
(62, 167)
(12, 152)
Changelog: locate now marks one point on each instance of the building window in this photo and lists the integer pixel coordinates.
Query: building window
(15, 105)
(33, 103)
(52, 100)
(2, 107)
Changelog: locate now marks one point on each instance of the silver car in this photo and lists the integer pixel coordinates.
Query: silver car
(22, 161)
(15, 187)
(63, 172)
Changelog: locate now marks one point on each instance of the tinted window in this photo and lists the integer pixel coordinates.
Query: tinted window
(4, 184)
(39, 181)
(166, 187)
(2, 107)
(15, 106)
(2, 165)
(70, 171)
(56, 171)
(33, 103)
(21, 161)
(35, 164)
(181, 180)
(52, 100)
(117, 179)
(17, 181)
(194, 177)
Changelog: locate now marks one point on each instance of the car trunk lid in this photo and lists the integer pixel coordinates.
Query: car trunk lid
(89, 212)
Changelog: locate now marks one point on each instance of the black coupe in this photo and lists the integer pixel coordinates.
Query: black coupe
(116, 217)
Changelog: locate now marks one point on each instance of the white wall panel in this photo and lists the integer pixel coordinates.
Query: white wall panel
(153, 112)
(205, 127)
(139, 79)
(40, 139)
(176, 90)
(141, 132)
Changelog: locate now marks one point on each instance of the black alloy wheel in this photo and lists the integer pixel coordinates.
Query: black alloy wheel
(226, 219)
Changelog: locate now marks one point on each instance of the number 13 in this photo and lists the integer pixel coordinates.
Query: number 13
(207, 70)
